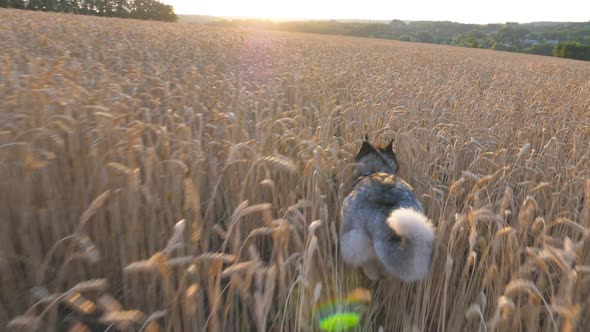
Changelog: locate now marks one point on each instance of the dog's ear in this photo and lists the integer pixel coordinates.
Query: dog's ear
(391, 157)
(365, 149)
(389, 146)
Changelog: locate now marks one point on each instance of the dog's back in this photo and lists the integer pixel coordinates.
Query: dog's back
(384, 228)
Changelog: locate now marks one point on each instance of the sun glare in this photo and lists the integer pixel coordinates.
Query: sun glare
(258, 9)
(266, 9)
(463, 11)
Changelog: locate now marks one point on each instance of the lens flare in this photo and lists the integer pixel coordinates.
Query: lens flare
(343, 313)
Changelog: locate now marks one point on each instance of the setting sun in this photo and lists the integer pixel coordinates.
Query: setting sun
(454, 10)
(255, 8)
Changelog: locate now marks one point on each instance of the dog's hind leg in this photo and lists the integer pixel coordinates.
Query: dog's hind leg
(372, 270)
(357, 247)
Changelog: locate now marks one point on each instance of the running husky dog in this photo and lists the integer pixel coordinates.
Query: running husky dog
(384, 229)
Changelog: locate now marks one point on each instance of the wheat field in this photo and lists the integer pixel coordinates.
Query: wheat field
(170, 177)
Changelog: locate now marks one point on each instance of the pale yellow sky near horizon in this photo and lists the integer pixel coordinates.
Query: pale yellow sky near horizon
(464, 11)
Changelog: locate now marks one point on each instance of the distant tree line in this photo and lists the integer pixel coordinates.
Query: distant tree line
(534, 38)
(572, 51)
(138, 9)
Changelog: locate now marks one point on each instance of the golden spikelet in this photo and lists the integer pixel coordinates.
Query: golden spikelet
(527, 212)
(124, 317)
(93, 285)
(474, 312)
(281, 162)
(481, 182)
(540, 186)
(519, 285)
(218, 229)
(78, 303)
(262, 231)
(490, 276)
(88, 248)
(192, 199)
(190, 298)
(570, 316)
(160, 262)
(96, 204)
(119, 168)
(506, 203)
(504, 309)
(538, 225)
(213, 256)
(258, 208)
(141, 266)
(79, 327)
(313, 226)
(176, 237)
(133, 180)
(152, 327)
(238, 268)
(523, 150)
(107, 303)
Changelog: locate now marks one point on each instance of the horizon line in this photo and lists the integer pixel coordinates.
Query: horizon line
(294, 19)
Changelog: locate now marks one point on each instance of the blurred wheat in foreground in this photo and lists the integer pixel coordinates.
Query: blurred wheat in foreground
(168, 177)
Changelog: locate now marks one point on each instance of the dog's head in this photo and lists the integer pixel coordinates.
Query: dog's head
(371, 159)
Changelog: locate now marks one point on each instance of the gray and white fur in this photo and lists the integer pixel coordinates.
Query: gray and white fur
(384, 229)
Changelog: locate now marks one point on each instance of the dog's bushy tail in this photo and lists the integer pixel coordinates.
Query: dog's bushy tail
(407, 255)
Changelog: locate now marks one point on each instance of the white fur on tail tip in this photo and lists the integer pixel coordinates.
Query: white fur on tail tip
(411, 224)
(415, 228)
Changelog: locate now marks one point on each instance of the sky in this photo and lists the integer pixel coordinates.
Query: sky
(464, 11)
